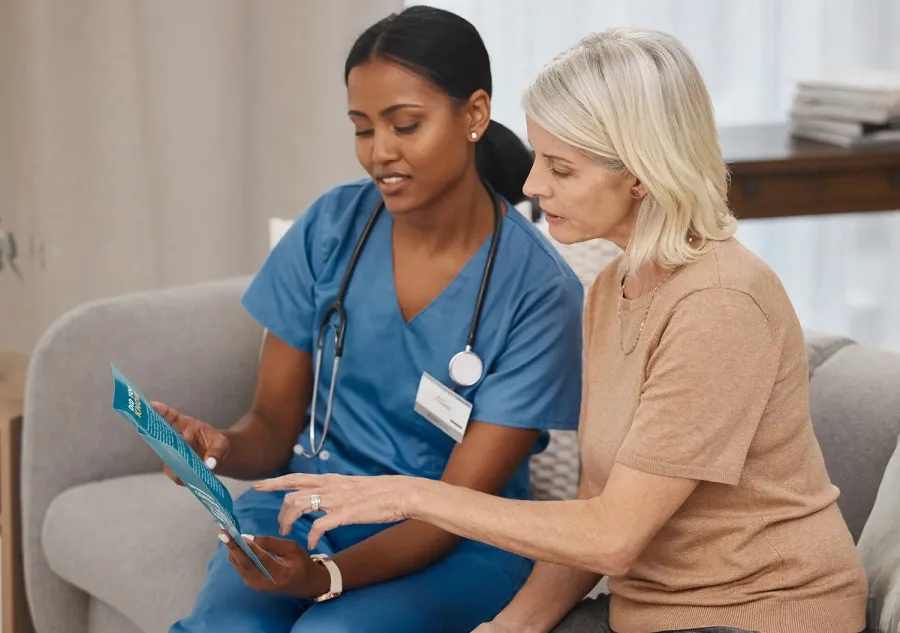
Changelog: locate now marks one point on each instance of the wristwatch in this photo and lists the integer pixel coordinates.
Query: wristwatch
(337, 583)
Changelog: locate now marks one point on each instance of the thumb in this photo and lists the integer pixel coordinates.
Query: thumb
(164, 410)
(277, 546)
(173, 416)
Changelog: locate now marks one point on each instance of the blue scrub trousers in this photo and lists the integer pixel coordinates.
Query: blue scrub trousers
(453, 595)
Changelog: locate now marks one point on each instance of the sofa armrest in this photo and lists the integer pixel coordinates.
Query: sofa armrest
(193, 347)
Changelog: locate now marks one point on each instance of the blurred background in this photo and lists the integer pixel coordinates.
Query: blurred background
(147, 143)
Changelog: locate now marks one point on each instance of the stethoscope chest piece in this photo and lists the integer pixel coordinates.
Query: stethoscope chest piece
(466, 368)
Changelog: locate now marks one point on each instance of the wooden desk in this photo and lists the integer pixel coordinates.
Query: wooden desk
(774, 175)
(12, 384)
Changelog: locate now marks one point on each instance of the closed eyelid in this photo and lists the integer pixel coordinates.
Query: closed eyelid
(559, 165)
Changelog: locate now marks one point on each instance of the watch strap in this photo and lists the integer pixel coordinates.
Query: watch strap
(337, 583)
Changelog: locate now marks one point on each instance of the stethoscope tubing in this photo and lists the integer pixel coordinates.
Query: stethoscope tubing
(337, 307)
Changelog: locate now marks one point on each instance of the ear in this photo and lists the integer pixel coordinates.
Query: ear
(478, 114)
(636, 188)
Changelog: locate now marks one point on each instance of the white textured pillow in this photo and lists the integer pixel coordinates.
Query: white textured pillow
(277, 228)
(879, 546)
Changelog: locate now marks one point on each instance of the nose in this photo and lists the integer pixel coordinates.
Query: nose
(534, 186)
(384, 147)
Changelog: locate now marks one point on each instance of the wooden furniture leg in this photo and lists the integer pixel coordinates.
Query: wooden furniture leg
(16, 618)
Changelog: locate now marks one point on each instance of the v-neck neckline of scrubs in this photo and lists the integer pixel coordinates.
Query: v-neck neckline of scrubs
(460, 276)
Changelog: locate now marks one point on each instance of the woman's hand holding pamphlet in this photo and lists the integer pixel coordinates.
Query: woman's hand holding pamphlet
(180, 458)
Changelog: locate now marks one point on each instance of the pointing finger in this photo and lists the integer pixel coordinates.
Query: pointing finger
(285, 482)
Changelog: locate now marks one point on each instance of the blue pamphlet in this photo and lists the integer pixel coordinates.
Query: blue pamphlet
(181, 458)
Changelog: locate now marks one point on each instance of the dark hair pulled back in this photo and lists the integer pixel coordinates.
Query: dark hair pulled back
(447, 50)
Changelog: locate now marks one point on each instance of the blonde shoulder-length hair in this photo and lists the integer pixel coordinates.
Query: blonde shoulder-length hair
(633, 100)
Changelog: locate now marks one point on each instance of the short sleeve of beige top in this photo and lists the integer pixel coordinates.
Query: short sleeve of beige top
(717, 389)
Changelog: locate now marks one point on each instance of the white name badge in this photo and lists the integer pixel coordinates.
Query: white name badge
(442, 407)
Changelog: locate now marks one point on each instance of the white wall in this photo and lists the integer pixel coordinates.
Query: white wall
(146, 143)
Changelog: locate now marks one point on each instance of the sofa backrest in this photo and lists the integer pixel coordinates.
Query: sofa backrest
(855, 404)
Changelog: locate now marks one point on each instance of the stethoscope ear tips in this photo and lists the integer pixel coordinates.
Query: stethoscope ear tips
(466, 368)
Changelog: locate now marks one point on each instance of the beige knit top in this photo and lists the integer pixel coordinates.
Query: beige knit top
(717, 389)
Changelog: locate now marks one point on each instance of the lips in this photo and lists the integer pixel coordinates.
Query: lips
(391, 183)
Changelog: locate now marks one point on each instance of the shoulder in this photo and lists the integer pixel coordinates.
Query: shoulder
(731, 265)
(337, 215)
(533, 264)
(316, 236)
(526, 239)
(341, 204)
(731, 268)
(732, 283)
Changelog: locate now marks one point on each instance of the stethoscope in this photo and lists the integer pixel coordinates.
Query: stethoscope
(466, 367)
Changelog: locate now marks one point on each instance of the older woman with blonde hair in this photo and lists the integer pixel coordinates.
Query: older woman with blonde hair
(704, 497)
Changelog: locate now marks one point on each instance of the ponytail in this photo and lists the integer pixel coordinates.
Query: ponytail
(503, 161)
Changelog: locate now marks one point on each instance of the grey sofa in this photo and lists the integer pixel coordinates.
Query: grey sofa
(111, 546)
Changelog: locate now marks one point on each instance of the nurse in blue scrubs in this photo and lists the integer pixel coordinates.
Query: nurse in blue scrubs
(438, 225)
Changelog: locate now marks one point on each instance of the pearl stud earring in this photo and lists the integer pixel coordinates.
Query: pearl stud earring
(474, 135)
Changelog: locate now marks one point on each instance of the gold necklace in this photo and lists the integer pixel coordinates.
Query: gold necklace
(643, 320)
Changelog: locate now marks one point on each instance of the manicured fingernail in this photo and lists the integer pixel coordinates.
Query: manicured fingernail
(211, 462)
(224, 538)
(247, 537)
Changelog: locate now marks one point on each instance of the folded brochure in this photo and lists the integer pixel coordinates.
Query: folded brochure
(180, 457)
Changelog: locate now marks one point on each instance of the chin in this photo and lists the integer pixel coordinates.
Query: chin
(402, 205)
(566, 234)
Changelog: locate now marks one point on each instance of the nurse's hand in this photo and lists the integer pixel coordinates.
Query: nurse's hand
(294, 572)
(208, 442)
(345, 500)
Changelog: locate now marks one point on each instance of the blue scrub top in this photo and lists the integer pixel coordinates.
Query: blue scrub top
(529, 337)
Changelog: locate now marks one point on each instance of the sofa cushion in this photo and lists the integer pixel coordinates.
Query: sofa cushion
(156, 555)
(102, 618)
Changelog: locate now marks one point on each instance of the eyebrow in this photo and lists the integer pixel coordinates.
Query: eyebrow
(557, 158)
(388, 110)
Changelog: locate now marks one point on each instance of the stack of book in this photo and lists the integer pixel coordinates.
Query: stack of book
(857, 109)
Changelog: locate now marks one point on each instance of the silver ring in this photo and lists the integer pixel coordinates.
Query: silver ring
(314, 502)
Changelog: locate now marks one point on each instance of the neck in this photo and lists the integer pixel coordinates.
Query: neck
(643, 281)
(621, 235)
(460, 217)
